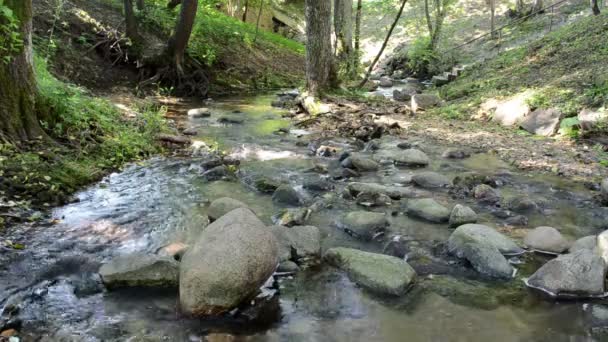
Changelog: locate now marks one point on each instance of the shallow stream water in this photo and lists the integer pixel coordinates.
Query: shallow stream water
(164, 200)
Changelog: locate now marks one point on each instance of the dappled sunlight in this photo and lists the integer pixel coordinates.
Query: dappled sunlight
(257, 152)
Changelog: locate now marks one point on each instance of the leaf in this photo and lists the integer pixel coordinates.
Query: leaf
(47, 178)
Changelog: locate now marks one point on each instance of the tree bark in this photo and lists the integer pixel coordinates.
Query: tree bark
(141, 5)
(257, 21)
(343, 28)
(18, 118)
(388, 36)
(358, 30)
(176, 46)
(439, 16)
(173, 3)
(245, 11)
(594, 7)
(537, 7)
(320, 72)
(131, 21)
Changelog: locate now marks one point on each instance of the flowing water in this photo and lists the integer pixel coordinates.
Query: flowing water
(164, 200)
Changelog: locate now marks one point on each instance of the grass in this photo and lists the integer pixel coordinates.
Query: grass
(566, 70)
(91, 135)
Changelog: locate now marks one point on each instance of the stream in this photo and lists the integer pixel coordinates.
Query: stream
(54, 292)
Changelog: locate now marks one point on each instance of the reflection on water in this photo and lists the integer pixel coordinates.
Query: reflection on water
(164, 200)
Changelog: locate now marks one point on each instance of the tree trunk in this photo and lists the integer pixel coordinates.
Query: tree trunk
(439, 16)
(537, 7)
(131, 21)
(427, 15)
(319, 56)
(358, 30)
(245, 11)
(388, 36)
(343, 23)
(257, 21)
(493, 18)
(594, 7)
(176, 46)
(520, 7)
(18, 119)
(141, 5)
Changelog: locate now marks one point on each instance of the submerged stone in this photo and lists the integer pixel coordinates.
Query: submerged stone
(462, 214)
(364, 224)
(287, 195)
(140, 270)
(431, 180)
(298, 242)
(378, 273)
(223, 206)
(487, 260)
(483, 235)
(428, 209)
(546, 239)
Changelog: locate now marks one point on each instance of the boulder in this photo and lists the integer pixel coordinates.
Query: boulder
(522, 204)
(394, 192)
(216, 173)
(602, 245)
(298, 242)
(266, 185)
(578, 274)
(511, 111)
(431, 179)
(487, 260)
(588, 242)
(318, 184)
(288, 267)
(175, 250)
(199, 112)
(592, 119)
(292, 217)
(604, 189)
(140, 270)
(386, 82)
(483, 235)
(233, 257)
(190, 131)
(428, 209)
(543, 122)
(286, 195)
(362, 164)
(454, 153)
(364, 224)
(408, 157)
(379, 273)
(223, 206)
(424, 101)
(546, 239)
(400, 95)
(462, 214)
(486, 194)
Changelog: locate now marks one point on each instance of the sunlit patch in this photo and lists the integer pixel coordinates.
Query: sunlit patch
(259, 153)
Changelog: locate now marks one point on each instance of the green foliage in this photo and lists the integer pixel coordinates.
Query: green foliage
(92, 137)
(569, 127)
(420, 55)
(10, 39)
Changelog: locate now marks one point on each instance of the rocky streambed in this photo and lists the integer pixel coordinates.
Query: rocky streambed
(295, 235)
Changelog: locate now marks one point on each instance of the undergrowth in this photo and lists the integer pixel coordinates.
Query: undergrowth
(89, 137)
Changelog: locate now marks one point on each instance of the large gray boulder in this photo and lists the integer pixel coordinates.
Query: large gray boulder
(364, 224)
(424, 101)
(543, 122)
(362, 164)
(462, 214)
(140, 270)
(578, 274)
(546, 239)
(286, 195)
(591, 119)
(408, 157)
(487, 260)
(483, 235)
(428, 209)
(223, 206)
(298, 242)
(587, 242)
(378, 273)
(431, 179)
(386, 81)
(511, 111)
(231, 260)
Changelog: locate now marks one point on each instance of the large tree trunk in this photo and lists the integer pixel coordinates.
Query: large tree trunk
(594, 7)
(343, 28)
(388, 36)
(141, 5)
(176, 46)
(537, 7)
(18, 119)
(245, 11)
(439, 16)
(358, 30)
(131, 21)
(320, 72)
(492, 4)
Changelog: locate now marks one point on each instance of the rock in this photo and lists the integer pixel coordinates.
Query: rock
(299, 242)
(587, 242)
(373, 199)
(266, 185)
(223, 206)
(483, 235)
(362, 164)
(487, 260)
(431, 179)
(190, 131)
(386, 82)
(199, 112)
(140, 270)
(292, 217)
(602, 245)
(592, 119)
(604, 189)
(512, 111)
(233, 120)
(486, 194)
(517, 221)
(399, 95)
(462, 215)
(318, 185)
(326, 151)
(522, 204)
(546, 239)
(578, 274)
(455, 154)
(285, 194)
(424, 101)
(364, 224)
(428, 209)
(378, 273)
(174, 250)
(404, 145)
(408, 157)
(394, 192)
(233, 257)
(543, 122)
(439, 80)
(288, 267)
(216, 173)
